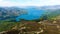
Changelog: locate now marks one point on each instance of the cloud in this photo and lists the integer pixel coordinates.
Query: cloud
(5, 3)
(29, 2)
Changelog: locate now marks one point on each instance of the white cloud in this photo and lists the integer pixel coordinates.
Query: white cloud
(29, 3)
(1, 0)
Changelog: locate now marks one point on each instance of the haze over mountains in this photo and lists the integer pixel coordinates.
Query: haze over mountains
(13, 12)
(7, 12)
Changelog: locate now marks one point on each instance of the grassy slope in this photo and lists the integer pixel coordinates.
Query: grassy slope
(6, 25)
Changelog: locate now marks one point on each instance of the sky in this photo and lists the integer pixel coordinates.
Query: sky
(29, 2)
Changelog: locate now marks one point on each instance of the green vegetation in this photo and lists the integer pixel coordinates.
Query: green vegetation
(9, 24)
(6, 25)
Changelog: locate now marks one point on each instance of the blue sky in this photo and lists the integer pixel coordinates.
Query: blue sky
(29, 2)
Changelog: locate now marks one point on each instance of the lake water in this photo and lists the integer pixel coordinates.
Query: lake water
(32, 14)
